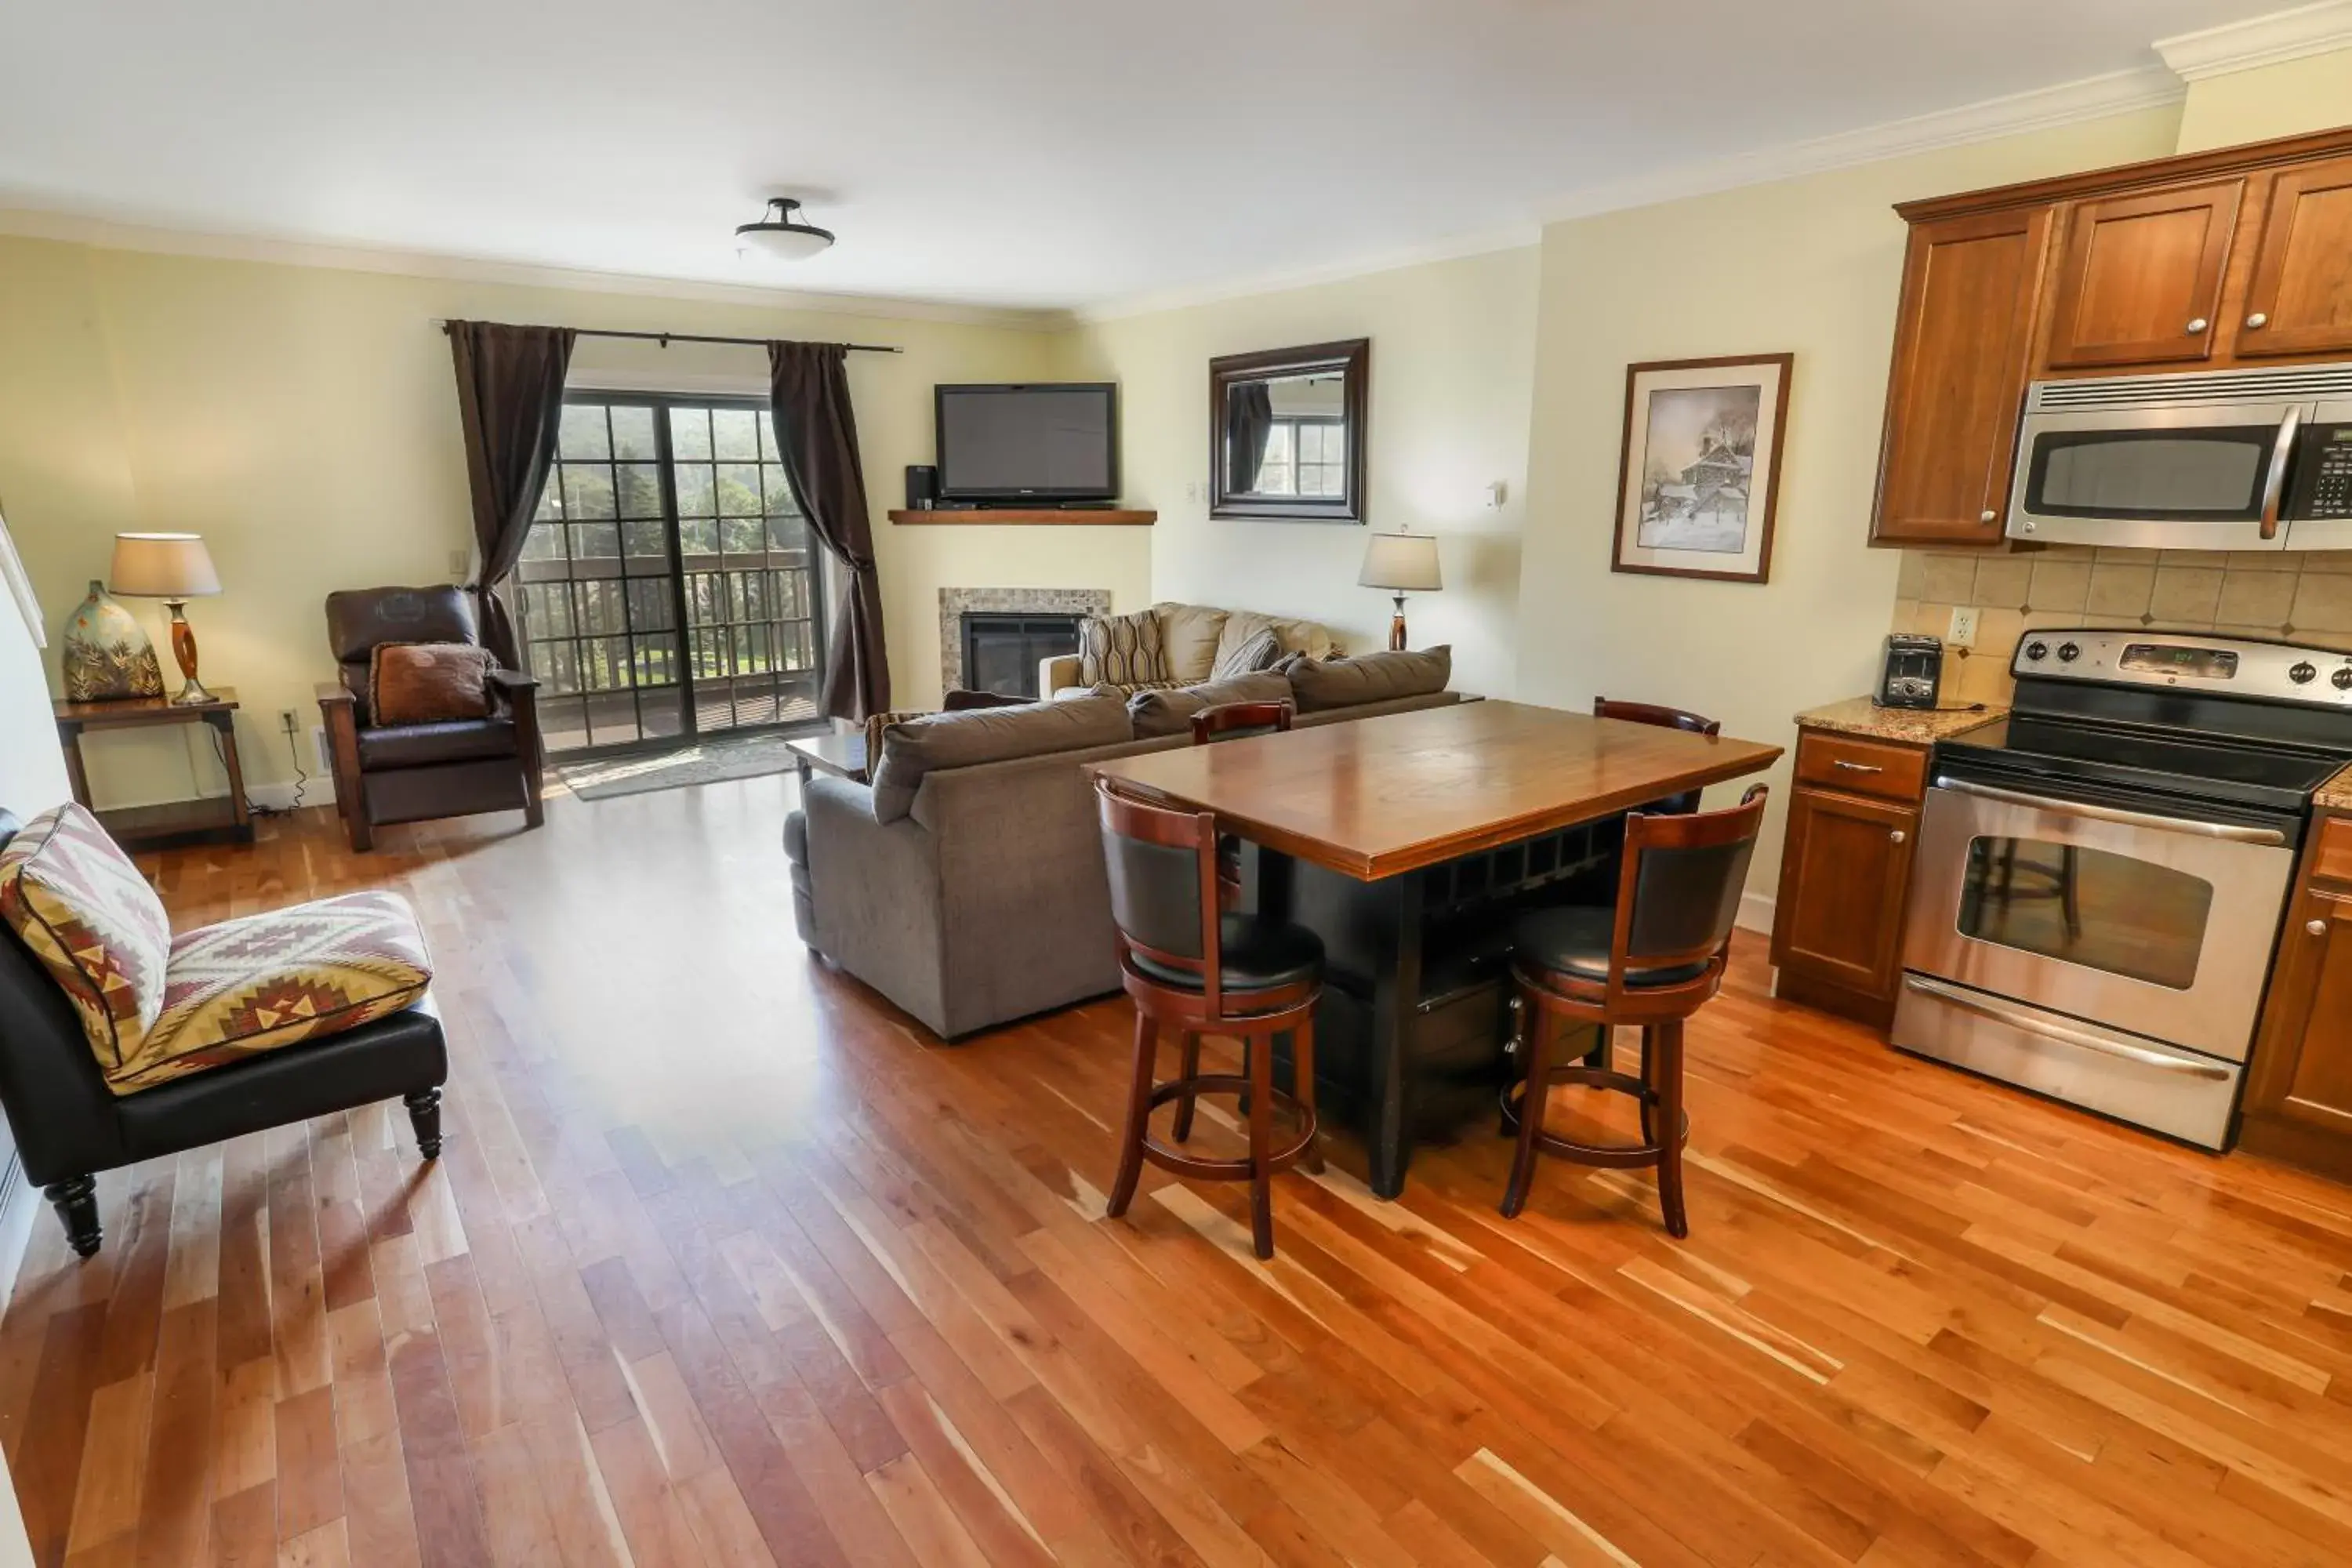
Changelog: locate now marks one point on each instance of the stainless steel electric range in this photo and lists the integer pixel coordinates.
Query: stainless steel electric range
(2101, 876)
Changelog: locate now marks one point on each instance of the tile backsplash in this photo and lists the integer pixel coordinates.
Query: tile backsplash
(2305, 596)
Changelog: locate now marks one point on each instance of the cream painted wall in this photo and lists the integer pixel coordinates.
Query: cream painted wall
(304, 420)
(1453, 361)
(1811, 266)
(2310, 94)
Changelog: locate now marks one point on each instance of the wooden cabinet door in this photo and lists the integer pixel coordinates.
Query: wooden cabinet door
(1845, 870)
(2303, 1069)
(2300, 301)
(2140, 278)
(1963, 345)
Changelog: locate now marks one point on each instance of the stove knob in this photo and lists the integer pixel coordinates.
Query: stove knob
(2304, 673)
(2342, 679)
(2037, 651)
(2068, 652)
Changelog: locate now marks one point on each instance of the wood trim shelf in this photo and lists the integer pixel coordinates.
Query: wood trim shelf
(1070, 517)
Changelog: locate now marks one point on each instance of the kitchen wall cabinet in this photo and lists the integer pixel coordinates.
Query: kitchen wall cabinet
(1963, 340)
(2300, 297)
(2298, 1104)
(2239, 256)
(2140, 279)
(1845, 870)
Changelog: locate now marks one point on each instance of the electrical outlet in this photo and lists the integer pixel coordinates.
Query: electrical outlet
(1497, 493)
(287, 720)
(1964, 626)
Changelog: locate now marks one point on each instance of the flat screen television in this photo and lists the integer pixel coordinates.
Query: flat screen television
(1038, 441)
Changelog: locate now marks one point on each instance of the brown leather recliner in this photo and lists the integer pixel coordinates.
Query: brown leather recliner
(415, 772)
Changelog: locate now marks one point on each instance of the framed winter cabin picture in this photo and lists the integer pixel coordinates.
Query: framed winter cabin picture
(1700, 472)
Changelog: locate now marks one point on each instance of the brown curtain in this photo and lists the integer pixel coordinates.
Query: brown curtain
(816, 436)
(1249, 426)
(510, 400)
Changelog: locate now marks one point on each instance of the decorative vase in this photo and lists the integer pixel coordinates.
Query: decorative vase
(107, 654)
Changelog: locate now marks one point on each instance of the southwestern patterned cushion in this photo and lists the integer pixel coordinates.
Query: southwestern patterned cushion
(1122, 650)
(76, 900)
(255, 985)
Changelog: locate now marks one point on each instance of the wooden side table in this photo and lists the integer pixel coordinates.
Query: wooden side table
(842, 755)
(205, 820)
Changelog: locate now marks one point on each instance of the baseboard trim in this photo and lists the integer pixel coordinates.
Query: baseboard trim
(1756, 911)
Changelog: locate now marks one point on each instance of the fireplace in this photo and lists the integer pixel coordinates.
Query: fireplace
(991, 639)
(1002, 648)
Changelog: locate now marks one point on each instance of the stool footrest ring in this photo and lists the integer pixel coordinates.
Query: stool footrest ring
(1605, 1156)
(1279, 1158)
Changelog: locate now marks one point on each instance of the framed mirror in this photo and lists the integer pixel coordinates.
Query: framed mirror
(1286, 431)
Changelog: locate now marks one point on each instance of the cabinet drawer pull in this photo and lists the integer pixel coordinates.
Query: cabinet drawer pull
(2197, 326)
(1856, 767)
(2317, 928)
(1986, 516)
(1896, 836)
(2258, 321)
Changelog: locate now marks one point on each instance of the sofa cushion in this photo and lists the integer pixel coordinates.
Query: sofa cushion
(917, 747)
(76, 900)
(269, 981)
(423, 745)
(1308, 638)
(1189, 634)
(1157, 713)
(1121, 650)
(427, 683)
(1369, 677)
(1262, 650)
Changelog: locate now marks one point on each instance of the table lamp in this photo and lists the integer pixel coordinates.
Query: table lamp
(1401, 563)
(175, 568)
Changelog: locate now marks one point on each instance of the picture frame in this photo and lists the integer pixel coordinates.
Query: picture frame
(1698, 472)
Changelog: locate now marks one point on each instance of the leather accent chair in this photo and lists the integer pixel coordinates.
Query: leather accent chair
(70, 1126)
(416, 773)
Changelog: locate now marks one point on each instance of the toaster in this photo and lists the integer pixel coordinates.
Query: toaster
(1913, 672)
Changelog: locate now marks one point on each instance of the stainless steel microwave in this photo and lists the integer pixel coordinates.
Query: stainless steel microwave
(2231, 459)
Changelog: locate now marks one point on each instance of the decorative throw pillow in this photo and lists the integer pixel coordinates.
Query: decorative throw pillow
(256, 984)
(877, 722)
(427, 683)
(1122, 650)
(1261, 651)
(1383, 676)
(74, 897)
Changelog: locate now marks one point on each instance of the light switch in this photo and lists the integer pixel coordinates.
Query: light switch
(460, 561)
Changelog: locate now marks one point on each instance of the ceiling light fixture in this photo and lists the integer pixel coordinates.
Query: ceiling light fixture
(783, 234)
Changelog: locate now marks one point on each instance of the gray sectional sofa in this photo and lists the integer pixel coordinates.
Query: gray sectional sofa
(966, 882)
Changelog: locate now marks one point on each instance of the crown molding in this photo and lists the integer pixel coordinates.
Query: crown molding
(2259, 41)
(2068, 103)
(105, 234)
(1518, 237)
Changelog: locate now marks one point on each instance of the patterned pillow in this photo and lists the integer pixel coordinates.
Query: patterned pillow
(250, 986)
(1262, 651)
(1122, 650)
(77, 901)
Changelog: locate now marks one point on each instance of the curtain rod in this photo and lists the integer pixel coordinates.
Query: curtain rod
(666, 339)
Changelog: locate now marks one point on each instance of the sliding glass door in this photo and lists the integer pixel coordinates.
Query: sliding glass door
(669, 585)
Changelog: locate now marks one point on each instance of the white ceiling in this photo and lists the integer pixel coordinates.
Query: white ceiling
(1058, 153)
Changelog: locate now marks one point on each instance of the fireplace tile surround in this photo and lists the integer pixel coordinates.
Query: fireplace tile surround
(955, 601)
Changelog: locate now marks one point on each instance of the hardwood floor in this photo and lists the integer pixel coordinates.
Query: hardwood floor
(726, 1262)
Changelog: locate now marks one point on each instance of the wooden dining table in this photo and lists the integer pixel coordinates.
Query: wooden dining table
(1407, 842)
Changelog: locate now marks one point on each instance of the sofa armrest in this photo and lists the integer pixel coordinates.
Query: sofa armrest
(874, 895)
(333, 694)
(1057, 673)
(512, 680)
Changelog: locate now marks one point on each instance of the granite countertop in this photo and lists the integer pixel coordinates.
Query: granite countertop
(1918, 726)
(2335, 794)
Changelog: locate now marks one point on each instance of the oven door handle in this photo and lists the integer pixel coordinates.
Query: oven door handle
(2043, 1027)
(2230, 831)
(2274, 482)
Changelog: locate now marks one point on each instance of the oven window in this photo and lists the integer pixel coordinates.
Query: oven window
(2208, 475)
(2089, 907)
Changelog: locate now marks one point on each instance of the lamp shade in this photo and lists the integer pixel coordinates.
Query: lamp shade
(163, 567)
(1401, 561)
